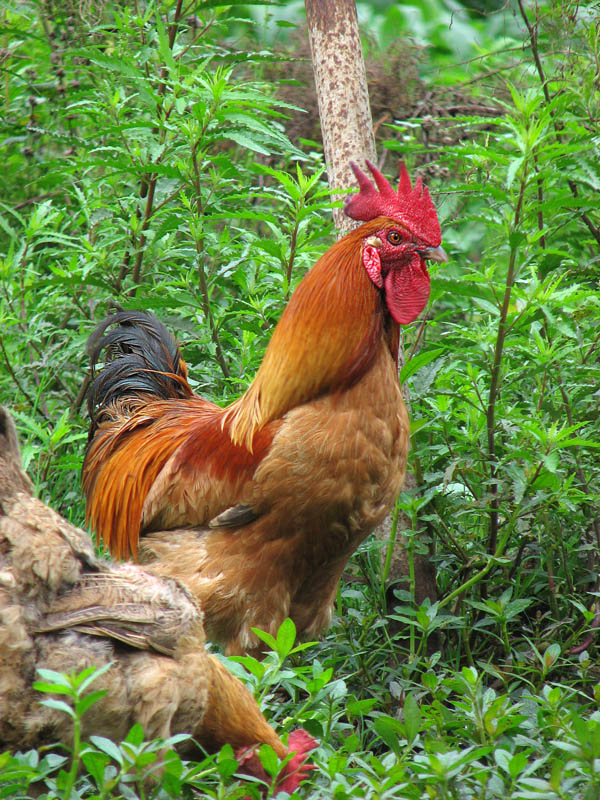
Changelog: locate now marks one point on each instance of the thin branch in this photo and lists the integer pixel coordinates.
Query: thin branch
(148, 212)
(495, 378)
(148, 183)
(81, 394)
(204, 288)
(35, 406)
(518, 558)
(592, 348)
(533, 38)
(290, 264)
(28, 202)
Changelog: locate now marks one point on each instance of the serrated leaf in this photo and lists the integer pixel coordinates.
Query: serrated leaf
(247, 141)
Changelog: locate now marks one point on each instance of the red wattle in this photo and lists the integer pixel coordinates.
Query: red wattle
(407, 290)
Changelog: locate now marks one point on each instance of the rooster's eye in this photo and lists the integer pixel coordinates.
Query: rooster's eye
(394, 237)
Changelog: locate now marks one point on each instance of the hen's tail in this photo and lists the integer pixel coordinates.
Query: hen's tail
(141, 360)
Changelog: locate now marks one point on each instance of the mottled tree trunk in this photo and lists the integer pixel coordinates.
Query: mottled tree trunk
(347, 131)
(342, 93)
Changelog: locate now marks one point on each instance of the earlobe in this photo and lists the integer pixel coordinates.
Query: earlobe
(372, 263)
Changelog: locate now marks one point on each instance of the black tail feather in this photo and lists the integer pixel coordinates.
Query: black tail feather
(141, 358)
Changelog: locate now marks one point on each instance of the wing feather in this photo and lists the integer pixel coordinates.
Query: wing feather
(170, 464)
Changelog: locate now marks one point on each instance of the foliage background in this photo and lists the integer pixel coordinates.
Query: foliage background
(166, 156)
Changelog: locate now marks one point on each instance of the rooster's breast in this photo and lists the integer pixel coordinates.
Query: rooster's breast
(337, 464)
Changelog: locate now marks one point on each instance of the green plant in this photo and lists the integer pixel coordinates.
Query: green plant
(505, 459)
(148, 141)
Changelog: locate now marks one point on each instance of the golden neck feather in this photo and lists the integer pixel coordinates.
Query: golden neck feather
(325, 341)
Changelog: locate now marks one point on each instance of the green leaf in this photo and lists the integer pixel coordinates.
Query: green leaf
(419, 361)
(226, 763)
(412, 717)
(269, 760)
(389, 730)
(248, 141)
(267, 638)
(356, 708)
(286, 636)
(95, 763)
(512, 170)
(54, 679)
(550, 656)
(135, 735)
(53, 688)
(58, 705)
(89, 675)
(82, 705)
(517, 764)
(108, 747)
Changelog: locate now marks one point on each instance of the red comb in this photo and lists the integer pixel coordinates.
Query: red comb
(300, 743)
(411, 206)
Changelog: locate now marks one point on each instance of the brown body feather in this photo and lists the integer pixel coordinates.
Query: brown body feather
(316, 447)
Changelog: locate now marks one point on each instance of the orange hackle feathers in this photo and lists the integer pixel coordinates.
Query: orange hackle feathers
(324, 342)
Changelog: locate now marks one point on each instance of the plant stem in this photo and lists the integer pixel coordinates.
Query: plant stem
(412, 589)
(35, 406)
(290, 264)
(75, 757)
(203, 279)
(479, 576)
(496, 373)
(533, 39)
(389, 553)
(148, 183)
(205, 296)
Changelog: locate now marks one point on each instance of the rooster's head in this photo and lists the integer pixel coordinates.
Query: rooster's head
(403, 232)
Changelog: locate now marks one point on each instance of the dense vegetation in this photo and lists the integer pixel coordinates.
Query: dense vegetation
(154, 156)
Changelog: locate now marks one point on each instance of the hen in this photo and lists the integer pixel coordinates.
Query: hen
(64, 609)
(257, 507)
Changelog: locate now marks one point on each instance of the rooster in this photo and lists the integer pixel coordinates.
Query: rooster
(257, 507)
(63, 608)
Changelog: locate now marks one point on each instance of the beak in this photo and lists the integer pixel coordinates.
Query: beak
(373, 241)
(435, 254)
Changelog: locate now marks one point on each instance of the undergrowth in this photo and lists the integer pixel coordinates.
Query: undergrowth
(146, 164)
